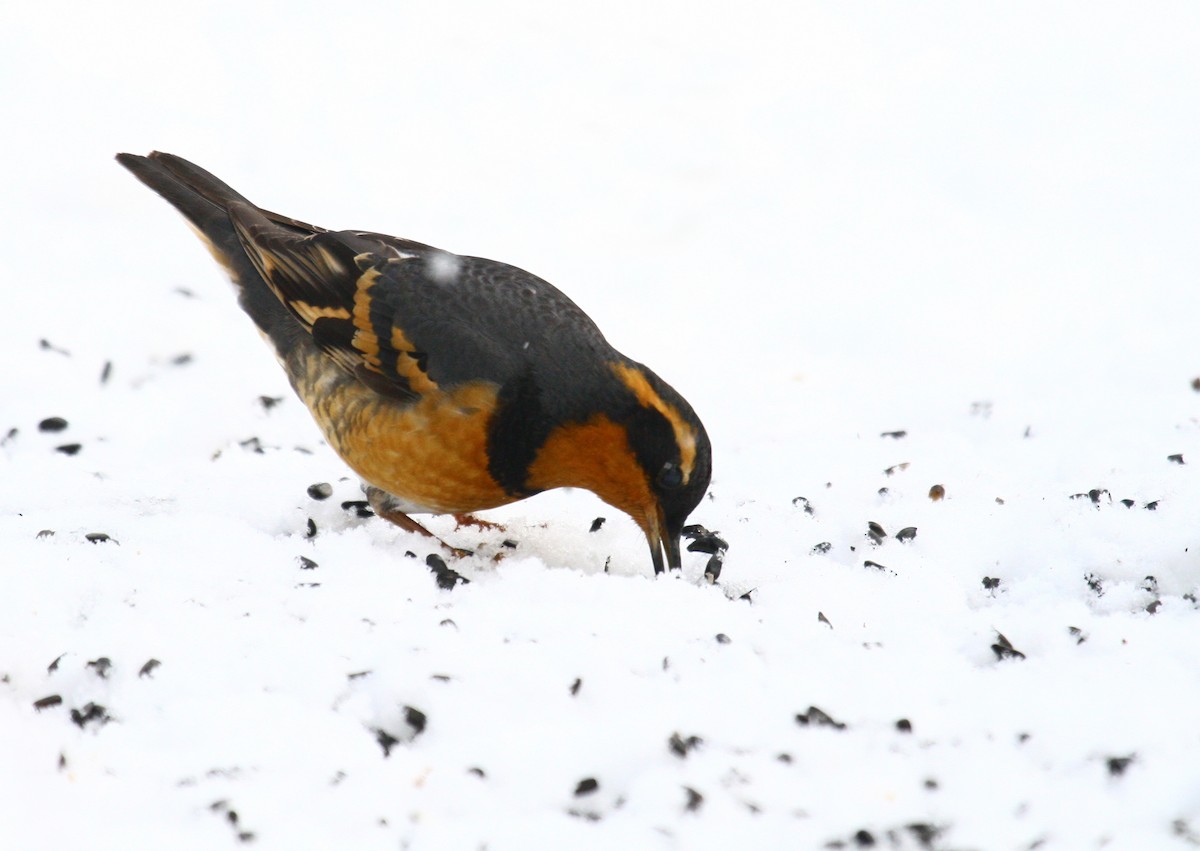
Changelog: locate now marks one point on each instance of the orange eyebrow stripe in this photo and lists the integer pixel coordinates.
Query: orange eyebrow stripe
(685, 435)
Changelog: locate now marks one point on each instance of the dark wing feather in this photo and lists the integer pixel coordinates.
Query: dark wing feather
(406, 318)
(327, 283)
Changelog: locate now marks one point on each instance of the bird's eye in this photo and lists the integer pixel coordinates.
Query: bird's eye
(670, 476)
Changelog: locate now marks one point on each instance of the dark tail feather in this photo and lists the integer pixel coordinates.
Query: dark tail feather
(204, 201)
(186, 186)
(195, 193)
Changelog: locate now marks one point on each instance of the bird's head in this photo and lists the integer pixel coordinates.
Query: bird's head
(646, 453)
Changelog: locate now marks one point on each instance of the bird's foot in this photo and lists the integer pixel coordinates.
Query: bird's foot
(461, 520)
(384, 505)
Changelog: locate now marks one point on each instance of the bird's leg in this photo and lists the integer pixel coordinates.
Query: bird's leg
(384, 505)
(461, 520)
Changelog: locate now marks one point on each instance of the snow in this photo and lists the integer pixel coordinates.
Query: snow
(443, 267)
(822, 223)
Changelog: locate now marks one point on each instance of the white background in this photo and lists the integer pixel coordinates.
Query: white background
(820, 222)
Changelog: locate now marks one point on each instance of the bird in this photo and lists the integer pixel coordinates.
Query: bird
(449, 384)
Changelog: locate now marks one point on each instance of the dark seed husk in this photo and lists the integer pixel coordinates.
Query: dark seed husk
(320, 490)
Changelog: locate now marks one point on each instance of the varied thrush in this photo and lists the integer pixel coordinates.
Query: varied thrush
(449, 384)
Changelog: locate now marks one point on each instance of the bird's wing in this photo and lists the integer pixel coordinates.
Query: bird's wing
(405, 318)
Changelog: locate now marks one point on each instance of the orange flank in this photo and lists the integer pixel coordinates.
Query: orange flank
(433, 450)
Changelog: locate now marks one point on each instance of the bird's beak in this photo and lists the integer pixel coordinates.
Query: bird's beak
(662, 540)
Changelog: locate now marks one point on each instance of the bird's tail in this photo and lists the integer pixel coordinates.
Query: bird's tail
(204, 201)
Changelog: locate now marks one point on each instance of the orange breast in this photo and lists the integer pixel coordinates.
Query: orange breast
(431, 453)
(595, 455)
